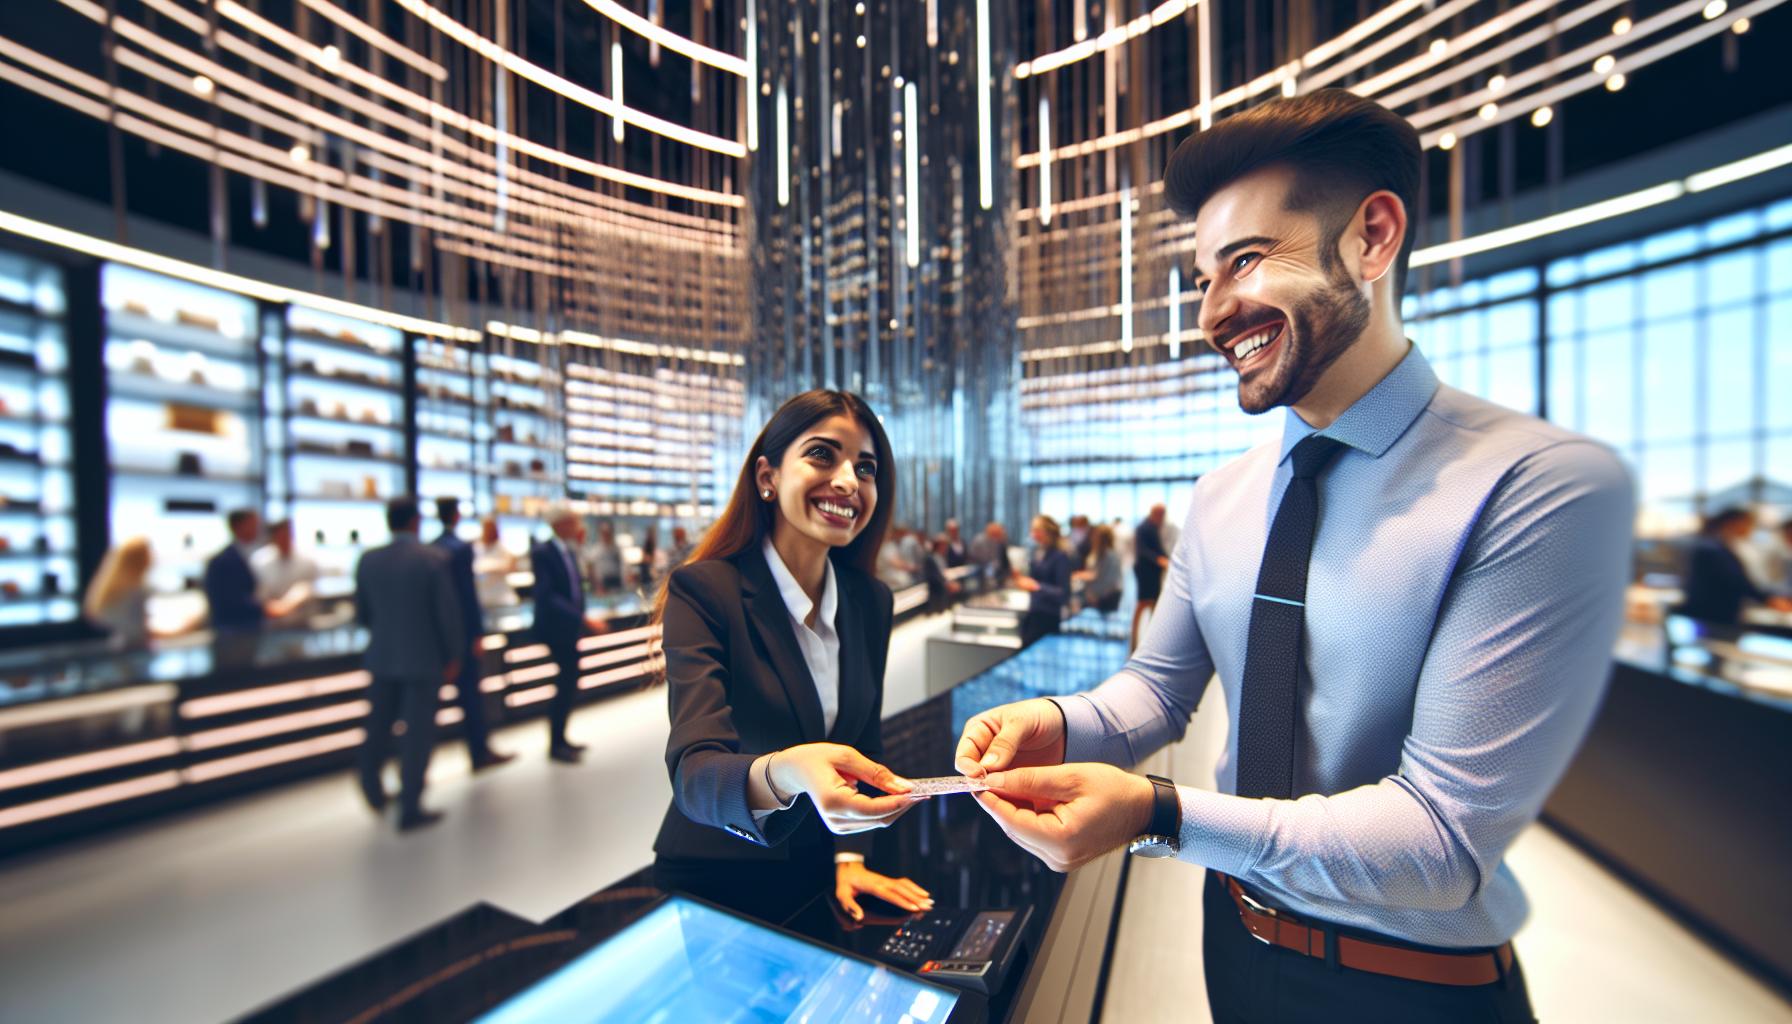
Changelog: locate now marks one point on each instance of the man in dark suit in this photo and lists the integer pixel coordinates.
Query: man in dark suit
(230, 583)
(405, 597)
(466, 685)
(560, 619)
(1150, 560)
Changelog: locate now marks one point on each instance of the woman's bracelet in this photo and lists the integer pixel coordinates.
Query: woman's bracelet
(776, 796)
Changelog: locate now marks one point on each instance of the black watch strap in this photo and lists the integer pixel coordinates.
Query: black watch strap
(1166, 811)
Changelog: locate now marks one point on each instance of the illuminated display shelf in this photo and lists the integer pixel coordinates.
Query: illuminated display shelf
(37, 531)
(451, 384)
(336, 405)
(183, 420)
(523, 460)
(635, 441)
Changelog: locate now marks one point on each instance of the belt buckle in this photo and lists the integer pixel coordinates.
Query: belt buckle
(1270, 912)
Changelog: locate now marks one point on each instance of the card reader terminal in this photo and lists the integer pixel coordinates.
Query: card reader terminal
(971, 949)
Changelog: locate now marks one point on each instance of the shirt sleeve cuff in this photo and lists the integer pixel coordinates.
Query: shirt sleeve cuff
(1225, 833)
(760, 816)
(1082, 728)
(849, 858)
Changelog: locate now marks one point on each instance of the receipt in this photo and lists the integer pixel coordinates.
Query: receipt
(945, 786)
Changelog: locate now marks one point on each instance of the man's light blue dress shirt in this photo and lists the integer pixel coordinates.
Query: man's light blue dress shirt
(1465, 591)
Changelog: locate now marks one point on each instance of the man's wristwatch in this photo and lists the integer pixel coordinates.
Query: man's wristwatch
(1162, 837)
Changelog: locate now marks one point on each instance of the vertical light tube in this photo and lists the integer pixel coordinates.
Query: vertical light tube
(783, 115)
(752, 77)
(1045, 160)
(501, 102)
(839, 112)
(911, 141)
(1204, 33)
(616, 88)
(1175, 311)
(986, 184)
(933, 23)
(1126, 270)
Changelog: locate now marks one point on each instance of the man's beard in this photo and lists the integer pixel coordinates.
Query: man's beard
(1321, 327)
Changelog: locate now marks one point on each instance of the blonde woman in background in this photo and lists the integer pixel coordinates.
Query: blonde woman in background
(492, 565)
(118, 599)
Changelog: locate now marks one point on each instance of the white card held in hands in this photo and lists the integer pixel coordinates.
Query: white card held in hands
(945, 786)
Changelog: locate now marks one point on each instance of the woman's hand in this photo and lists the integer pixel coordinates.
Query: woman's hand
(1026, 582)
(829, 773)
(852, 878)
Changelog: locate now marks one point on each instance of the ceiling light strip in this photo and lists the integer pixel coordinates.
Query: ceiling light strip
(378, 39)
(1361, 30)
(578, 94)
(1360, 57)
(348, 129)
(1768, 160)
(105, 250)
(670, 40)
(1465, 68)
(1517, 108)
(1459, 44)
(1550, 69)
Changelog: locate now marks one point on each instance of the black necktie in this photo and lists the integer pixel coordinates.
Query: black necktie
(1268, 710)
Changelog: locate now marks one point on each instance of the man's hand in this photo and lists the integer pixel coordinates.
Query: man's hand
(1028, 734)
(596, 625)
(830, 773)
(1069, 815)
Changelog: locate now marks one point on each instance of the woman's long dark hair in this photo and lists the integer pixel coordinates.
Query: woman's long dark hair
(747, 520)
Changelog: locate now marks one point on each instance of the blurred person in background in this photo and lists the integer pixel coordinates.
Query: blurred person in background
(989, 553)
(1782, 558)
(650, 550)
(913, 553)
(492, 565)
(1149, 562)
(1048, 581)
(561, 620)
(933, 573)
(230, 582)
(118, 598)
(681, 548)
(1079, 542)
(285, 579)
(472, 618)
(955, 549)
(1717, 585)
(1102, 583)
(893, 568)
(404, 595)
(604, 559)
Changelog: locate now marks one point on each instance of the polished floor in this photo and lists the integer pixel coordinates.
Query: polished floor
(201, 917)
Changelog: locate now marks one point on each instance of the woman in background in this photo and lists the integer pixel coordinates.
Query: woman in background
(1049, 583)
(118, 598)
(776, 635)
(1101, 581)
(492, 565)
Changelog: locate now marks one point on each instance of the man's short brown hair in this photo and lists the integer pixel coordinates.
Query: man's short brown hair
(1340, 146)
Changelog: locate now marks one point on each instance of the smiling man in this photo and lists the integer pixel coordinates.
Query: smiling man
(1409, 601)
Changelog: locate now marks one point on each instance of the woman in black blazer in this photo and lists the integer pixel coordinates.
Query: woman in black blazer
(1049, 582)
(776, 710)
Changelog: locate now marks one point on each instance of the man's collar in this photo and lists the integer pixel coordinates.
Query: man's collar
(1377, 420)
(792, 592)
(404, 537)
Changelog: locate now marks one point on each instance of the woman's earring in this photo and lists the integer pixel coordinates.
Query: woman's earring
(767, 494)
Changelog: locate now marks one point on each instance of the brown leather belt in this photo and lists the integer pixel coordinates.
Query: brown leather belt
(1279, 928)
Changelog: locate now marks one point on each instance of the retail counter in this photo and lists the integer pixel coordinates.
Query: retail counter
(461, 968)
(1684, 785)
(90, 736)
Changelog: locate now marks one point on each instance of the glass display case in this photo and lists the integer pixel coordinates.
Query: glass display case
(342, 395)
(452, 423)
(183, 424)
(37, 532)
(524, 465)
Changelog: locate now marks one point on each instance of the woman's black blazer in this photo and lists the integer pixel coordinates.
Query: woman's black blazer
(738, 688)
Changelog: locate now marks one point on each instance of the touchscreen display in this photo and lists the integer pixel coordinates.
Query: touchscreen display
(689, 964)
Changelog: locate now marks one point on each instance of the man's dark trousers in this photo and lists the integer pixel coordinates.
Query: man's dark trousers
(416, 700)
(1250, 981)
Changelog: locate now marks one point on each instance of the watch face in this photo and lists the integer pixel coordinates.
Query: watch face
(1152, 846)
